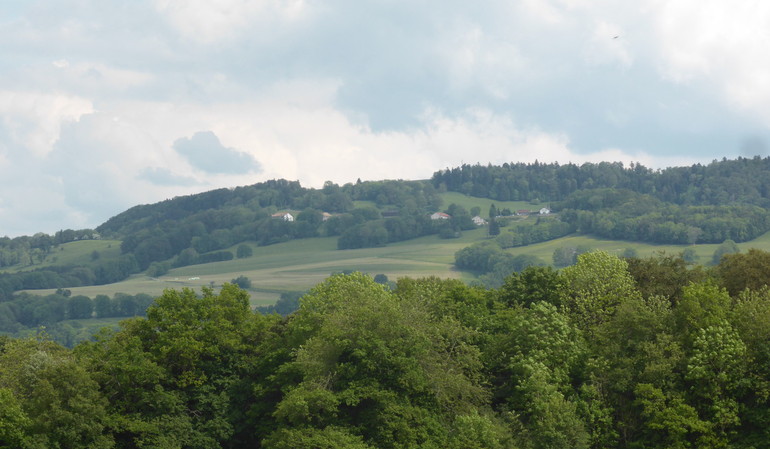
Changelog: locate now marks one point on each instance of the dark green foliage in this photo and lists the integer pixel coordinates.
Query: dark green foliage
(381, 278)
(706, 204)
(366, 235)
(533, 284)
(494, 227)
(542, 230)
(242, 282)
(727, 247)
(567, 255)
(492, 263)
(739, 271)
(286, 304)
(243, 251)
(663, 275)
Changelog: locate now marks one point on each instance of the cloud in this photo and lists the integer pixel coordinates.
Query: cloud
(205, 152)
(165, 177)
(210, 22)
(33, 120)
(719, 45)
(344, 89)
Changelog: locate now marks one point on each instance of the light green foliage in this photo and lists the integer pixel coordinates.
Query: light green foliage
(716, 371)
(751, 319)
(172, 372)
(63, 404)
(14, 423)
(312, 438)
(535, 358)
(477, 431)
(637, 344)
(394, 365)
(595, 286)
(669, 421)
(551, 419)
(702, 305)
(445, 298)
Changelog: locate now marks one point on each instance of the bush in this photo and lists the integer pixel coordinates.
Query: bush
(242, 282)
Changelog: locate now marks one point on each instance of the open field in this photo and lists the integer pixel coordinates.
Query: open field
(470, 201)
(300, 264)
(73, 253)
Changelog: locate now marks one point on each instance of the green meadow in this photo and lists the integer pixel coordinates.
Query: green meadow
(298, 265)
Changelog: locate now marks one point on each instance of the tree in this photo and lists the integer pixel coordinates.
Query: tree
(595, 286)
(494, 227)
(387, 368)
(726, 247)
(663, 275)
(103, 306)
(381, 279)
(716, 371)
(172, 377)
(14, 423)
(689, 255)
(63, 403)
(242, 282)
(243, 251)
(79, 307)
(533, 284)
(738, 271)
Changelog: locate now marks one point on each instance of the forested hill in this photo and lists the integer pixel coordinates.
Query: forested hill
(743, 181)
(724, 200)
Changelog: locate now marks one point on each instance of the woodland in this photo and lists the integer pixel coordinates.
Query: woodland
(589, 350)
(608, 352)
(727, 200)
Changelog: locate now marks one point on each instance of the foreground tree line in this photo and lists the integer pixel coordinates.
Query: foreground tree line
(605, 353)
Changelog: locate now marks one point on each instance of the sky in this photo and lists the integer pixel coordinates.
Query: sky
(107, 104)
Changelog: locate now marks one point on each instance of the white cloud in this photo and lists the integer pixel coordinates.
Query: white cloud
(95, 93)
(33, 120)
(722, 44)
(210, 22)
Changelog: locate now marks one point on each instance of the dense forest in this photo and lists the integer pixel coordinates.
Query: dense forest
(608, 352)
(726, 200)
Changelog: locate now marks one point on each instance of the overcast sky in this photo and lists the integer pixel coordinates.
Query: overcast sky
(107, 104)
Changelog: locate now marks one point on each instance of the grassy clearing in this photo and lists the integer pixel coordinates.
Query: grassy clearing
(468, 202)
(298, 265)
(74, 253)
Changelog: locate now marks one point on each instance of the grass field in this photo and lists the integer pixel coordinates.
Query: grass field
(300, 264)
(74, 253)
(470, 201)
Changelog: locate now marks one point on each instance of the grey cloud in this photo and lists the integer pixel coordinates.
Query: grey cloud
(205, 152)
(164, 177)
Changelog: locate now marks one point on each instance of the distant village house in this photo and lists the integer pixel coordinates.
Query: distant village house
(285, 216)
(478, 221)
(440, 216)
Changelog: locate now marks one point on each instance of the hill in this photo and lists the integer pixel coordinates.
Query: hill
(220, 233)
